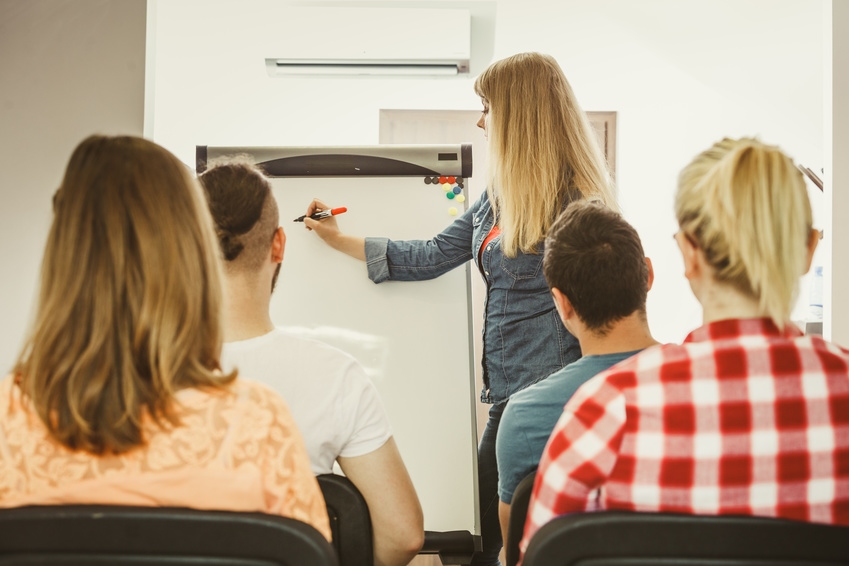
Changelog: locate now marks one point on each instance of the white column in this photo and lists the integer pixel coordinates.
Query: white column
(836, 176)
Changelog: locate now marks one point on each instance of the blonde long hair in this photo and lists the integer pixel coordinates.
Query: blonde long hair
(745, 205)
(130, 297)
(543, 152)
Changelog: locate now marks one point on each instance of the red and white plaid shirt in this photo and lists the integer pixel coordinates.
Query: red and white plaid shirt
(740, 419)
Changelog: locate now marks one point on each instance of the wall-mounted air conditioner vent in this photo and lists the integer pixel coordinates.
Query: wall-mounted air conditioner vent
(372, 41)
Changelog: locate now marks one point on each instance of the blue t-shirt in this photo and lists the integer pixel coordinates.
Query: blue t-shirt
(531, 414)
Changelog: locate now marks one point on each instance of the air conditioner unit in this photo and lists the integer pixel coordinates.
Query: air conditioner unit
(371, 41)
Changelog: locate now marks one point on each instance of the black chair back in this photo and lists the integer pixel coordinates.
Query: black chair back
(518, 512)
(619, 538)
(350, 521)
(161, 536)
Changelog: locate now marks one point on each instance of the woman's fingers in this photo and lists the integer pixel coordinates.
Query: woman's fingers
(317, 205)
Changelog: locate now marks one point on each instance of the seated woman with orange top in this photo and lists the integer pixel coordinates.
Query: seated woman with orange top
(117, 397)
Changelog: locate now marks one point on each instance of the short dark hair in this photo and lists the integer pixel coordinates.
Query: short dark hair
(243, 209)
(595, 258)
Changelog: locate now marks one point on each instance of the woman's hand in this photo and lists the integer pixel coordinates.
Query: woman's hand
(328, 230)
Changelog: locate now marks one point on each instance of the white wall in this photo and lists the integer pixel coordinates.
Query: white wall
(680, 73)
(68, 68)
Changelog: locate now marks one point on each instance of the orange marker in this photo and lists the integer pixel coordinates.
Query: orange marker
(323, 214)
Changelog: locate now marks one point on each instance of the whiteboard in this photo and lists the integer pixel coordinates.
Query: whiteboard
(413, 338)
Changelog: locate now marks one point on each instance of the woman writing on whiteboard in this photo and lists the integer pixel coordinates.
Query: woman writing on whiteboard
(542, 155)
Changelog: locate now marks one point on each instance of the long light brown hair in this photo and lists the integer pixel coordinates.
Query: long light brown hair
(745, 205)
(130, 297)
(542, 150)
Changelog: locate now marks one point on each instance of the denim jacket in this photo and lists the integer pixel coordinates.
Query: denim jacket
(524, 340)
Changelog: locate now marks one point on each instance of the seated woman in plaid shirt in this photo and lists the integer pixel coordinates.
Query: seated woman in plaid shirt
(748, 416)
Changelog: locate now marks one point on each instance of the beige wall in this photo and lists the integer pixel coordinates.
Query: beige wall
(68, 68)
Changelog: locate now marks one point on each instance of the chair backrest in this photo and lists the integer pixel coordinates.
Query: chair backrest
(518, 512)
(161, 536)
(619, 538)
(350, 521)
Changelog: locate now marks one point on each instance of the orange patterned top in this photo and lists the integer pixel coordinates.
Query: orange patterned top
(236, 450)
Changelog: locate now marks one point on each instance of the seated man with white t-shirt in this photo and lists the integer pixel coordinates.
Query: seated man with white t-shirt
(334, 404)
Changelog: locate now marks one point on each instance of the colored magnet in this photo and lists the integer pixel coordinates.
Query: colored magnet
(457, 190)
(452, 179)
(450, 195)
(443, 180)
(452, 211)
(427, 180)
(460, 198)
(446, 186)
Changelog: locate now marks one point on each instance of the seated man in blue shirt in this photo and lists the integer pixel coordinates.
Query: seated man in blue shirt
(599, 278)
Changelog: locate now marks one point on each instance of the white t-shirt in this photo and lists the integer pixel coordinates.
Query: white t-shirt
(334, 403)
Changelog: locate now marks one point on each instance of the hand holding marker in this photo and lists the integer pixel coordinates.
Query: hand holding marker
(323, 214)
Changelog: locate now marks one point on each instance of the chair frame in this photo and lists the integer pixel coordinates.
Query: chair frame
(518, 513)
(619, 538)
(115, 534)
(350, 521)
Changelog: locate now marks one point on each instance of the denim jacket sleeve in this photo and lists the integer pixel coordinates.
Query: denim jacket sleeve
(418, 260)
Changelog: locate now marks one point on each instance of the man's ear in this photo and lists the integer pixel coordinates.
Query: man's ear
(562, 304)
(278, 245)
(651, 273)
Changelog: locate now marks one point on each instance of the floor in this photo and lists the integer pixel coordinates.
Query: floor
(426, 560)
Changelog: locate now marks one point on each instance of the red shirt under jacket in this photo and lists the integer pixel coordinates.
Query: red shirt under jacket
(741, 418)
